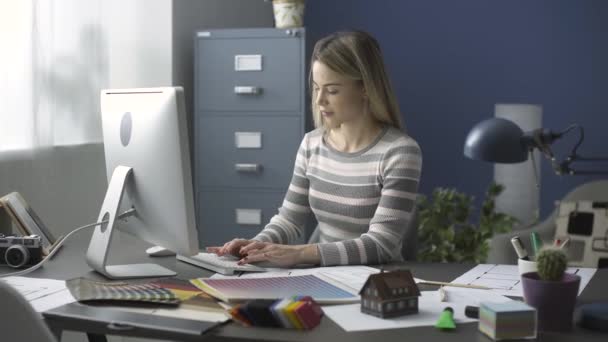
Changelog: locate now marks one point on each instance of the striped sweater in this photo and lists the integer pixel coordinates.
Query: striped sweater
(362, 201)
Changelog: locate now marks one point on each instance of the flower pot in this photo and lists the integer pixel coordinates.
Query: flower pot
(554, 300)
(288, 13)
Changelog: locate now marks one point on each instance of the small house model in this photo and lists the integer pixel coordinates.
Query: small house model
(390, 294)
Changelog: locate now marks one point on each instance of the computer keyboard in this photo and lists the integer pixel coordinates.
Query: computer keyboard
(226, 265)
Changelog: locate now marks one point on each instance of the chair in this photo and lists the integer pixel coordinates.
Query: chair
(501, 250)
(18, 320)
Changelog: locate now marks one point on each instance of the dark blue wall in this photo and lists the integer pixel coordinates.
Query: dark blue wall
(451, 61)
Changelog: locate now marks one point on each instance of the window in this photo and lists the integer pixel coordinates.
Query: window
(390, 307)
(52, 73)
(401, 305)
(376, 292)
(394, 292)
(15, 88)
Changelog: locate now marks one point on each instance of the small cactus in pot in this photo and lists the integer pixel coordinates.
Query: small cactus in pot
(551, 263)
(551, 290)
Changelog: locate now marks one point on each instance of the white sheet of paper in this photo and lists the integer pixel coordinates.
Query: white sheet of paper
(43, 294)
(350, 317)
(52, 301)
(505, 279)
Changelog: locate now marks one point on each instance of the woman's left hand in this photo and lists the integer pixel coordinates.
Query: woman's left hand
(283, 255)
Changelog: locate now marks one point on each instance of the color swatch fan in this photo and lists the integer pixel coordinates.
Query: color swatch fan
(88, 290)
(241, 289)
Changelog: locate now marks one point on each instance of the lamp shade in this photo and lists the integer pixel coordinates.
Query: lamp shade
(496, 140)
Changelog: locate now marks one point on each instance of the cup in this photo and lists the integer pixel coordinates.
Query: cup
(526, 266)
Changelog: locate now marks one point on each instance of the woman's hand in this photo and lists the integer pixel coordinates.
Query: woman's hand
(235, 247)
(281, 255)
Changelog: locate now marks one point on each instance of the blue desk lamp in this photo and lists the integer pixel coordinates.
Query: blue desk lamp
(499, 140)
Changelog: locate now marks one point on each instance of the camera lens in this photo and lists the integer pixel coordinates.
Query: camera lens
(16, 256)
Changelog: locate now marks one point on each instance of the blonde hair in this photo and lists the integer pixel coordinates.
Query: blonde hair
(357, 55)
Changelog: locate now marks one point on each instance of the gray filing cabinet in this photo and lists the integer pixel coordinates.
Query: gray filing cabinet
(249, 100)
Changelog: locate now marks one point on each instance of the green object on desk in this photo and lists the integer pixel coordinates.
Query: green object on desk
(536, 242)
(446, 319)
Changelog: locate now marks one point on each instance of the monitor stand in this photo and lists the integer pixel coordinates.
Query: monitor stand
(99, 247)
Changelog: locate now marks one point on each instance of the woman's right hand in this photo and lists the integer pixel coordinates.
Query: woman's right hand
(235, 246)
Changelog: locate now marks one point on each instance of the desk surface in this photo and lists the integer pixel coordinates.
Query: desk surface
(70, 263)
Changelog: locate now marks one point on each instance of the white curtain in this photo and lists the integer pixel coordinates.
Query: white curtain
(53, 64)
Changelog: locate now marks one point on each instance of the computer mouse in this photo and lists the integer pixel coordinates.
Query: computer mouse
(157, 251)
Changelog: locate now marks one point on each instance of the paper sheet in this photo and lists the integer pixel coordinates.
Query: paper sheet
(43, 294)
(505, 279)
(350, 317)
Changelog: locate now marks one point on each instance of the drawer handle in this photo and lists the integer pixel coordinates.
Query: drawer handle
(249, 168)
(247, 90)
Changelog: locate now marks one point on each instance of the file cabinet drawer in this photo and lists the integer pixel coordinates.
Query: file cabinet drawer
(252, 74)
(225, 215)
(250, 152)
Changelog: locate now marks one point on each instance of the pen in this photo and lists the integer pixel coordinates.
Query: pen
(537, 244)
(519, 248)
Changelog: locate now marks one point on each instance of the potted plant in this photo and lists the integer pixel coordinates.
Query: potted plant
(551, 290)
(288, 13)
(446, 231)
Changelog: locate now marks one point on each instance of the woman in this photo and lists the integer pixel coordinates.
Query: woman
(357, 172)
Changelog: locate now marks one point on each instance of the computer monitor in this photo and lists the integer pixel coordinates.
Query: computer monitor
(148, 166)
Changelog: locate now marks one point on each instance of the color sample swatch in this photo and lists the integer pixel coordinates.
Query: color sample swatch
(89, 290)
(239, 289)
(298, 312)
(192, 298)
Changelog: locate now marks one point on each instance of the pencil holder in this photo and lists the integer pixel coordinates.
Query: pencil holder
(526, 266)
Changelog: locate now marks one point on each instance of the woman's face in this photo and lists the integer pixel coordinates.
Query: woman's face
(340, 99)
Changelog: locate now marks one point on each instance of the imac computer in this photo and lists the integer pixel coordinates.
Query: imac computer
(148, 167)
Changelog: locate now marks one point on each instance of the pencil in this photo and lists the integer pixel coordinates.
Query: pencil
(441, 283)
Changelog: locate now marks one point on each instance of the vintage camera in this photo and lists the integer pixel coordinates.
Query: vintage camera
(20, 251)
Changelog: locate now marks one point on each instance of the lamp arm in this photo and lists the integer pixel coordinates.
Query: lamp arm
(564, 166)
(581, 137)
